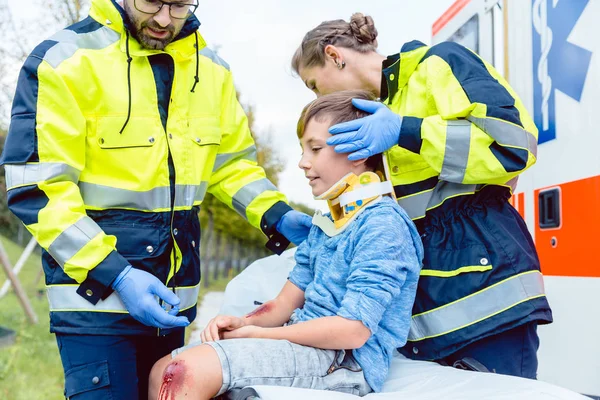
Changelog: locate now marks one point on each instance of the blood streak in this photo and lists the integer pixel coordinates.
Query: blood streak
(173, 380)
(265, 308)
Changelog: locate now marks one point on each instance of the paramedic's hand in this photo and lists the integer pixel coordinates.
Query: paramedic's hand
(295, 226)
(367, 136)
(218, 326)
(138, 289)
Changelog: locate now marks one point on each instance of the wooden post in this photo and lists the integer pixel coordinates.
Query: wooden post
(217, 255)
(17, 286)
(19, 265)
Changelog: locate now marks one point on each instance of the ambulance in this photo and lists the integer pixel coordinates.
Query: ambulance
(549, 51)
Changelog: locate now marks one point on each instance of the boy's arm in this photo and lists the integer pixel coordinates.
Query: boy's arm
(384, 254)
(277, 311)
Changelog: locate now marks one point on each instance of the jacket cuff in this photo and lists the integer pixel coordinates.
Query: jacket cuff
(277, 242)
(410, 134)
(97, 285)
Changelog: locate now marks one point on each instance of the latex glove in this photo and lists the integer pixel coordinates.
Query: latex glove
(367, 136)
(137, 289)
(295, 226)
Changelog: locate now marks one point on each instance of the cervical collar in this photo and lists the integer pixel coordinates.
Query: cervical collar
(348, 198)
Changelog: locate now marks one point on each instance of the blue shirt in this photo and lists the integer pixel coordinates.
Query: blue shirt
(367, 273)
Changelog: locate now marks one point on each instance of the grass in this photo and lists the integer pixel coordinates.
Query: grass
(31, 368)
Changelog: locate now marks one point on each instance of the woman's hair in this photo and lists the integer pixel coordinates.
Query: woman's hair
(359, 34)
(337, 107)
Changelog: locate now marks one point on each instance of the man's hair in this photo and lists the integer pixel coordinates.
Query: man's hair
(336, 108)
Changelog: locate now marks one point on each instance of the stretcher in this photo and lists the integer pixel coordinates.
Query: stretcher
(262, 280)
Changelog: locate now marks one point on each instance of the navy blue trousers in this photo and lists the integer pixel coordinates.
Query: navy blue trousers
(513, 352)
(112, 367)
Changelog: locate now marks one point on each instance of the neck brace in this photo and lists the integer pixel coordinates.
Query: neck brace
(349, 197)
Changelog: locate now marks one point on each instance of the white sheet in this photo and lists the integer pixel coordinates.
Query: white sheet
(408, 379)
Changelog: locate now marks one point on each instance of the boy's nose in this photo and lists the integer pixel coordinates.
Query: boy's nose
(303, 163)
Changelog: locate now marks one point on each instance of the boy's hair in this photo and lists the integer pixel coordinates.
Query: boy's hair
(337, 107)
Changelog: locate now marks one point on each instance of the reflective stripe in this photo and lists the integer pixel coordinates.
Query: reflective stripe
(29, 174)
(477, 307)
(456, 155)
(100, 196)
(65, 298)
(242, 199)
(506, 133)
(416, 205)
(73, 239)
(186, 195)
(69, 42)
(455, 272)
(206, 52)
(225, 158)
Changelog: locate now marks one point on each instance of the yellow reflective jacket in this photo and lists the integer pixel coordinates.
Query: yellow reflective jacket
(463, 126)
(465, 138)
(112, 148)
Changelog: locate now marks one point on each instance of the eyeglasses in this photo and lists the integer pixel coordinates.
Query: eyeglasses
(177, 10)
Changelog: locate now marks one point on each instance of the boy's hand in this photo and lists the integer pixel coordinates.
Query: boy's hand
(248, 331)
(219, 325)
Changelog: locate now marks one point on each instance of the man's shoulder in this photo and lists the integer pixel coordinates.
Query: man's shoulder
(214, 57)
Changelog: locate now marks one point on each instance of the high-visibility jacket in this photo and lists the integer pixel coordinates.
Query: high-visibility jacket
(465, 138)
(110, 152)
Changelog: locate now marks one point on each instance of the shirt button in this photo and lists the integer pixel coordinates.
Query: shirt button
(277, 244)
(193, 243)
(89, 293)
(392, 77)
(101, 141)
(151, 139)
(95, 380)
(175, 231)
(198, 140)
(415, 350)
(170, 136)
(149, 249)
(484, 261)
(395, 169)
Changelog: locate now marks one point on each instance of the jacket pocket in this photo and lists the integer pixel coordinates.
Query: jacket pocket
(90, 381)
(140, 132)
(447, 263)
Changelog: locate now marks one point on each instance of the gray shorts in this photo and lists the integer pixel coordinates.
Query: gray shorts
(249, 362)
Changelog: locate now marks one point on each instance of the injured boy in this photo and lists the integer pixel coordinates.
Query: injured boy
(347, 303)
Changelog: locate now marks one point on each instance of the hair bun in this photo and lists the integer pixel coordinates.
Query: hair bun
(363, 28)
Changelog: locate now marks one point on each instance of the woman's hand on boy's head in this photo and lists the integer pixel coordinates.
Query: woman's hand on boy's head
(367, 136)
(219, 325)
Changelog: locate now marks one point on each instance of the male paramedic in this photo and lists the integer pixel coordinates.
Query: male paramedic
(120, 125)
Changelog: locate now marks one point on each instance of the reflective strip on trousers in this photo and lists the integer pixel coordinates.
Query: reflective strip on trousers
(477, 307)
(65, 298)
(30, 174)
(103, 197)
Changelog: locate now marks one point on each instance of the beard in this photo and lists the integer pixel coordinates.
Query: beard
(139, 32)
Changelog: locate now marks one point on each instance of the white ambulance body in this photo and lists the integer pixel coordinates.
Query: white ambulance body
(549, 51)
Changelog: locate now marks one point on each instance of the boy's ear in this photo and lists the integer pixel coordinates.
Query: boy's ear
(358, 163)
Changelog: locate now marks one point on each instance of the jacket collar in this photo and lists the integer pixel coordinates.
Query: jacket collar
(110, 14)
(397, 68)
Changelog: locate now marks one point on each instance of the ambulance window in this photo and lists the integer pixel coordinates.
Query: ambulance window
(468, 34)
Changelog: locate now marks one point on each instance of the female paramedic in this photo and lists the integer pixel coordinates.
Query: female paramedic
(456, 137)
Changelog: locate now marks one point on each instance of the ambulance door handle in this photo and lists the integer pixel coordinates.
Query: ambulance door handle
(549, 208)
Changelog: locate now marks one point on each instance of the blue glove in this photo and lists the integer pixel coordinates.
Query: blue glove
(367, 136)
(138, 289)
(295, 226)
